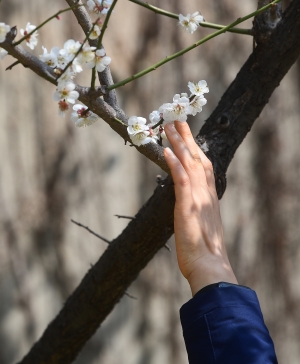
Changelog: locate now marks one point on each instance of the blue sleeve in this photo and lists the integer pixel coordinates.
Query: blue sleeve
(224, 325)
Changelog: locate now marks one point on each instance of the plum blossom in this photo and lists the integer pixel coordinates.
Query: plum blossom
(3, 53)
(63, 106)
(94, 6)
(86, 55)
(140, 133)
(163, 134)
(50, 58)
(31, 40)
(199, 88)
(66, 92)
(83, 117)
(71, 47)
(136, 124)
(141, 138)
(95, 32)
(66, 77)
(100, 61)
(4, 29)
(155, 116)
(196, 104)
(191, 22)
(99, 6)
(178, 110)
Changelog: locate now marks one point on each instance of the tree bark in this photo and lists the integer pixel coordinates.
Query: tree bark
(128, 254)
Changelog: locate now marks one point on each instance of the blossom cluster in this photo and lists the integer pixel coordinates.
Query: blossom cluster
(70, 60)
(183, 105)
(191, 22)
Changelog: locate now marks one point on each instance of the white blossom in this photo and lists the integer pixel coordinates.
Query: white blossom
(191, 22)
(31, 40)
(66, 77)
(63, 58)
(100, 61)
(63, 106)
(196, 104)
(178, 110)
(71, 46)
(197, 17)
(4, 29)
(94, 6)
(76, 66)
(86, 55)
(155, 116)
(99, 6)
(141, 138)
(136, 124)
(95, 32)
(163, 134)
(199, 88)
(83, 117)
(50, 58)
(66, 92)
(3, 53)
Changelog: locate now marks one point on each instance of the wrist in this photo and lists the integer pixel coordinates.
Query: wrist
(210, 271)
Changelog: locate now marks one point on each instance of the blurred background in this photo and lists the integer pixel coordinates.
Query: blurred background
(52, 172)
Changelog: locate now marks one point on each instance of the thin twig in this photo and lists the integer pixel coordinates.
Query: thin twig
(9, 68)
(204, 24)
(194, 45)
(45, 22)
(100, 40)
(91, 231)
(130, 296)
(124, 217)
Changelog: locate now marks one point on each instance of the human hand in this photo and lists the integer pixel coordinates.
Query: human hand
(201, 252)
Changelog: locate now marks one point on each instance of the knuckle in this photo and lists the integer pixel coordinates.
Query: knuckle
(183, 181)
(193, 165)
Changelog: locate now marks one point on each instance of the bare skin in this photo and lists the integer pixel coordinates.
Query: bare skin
(201, 252)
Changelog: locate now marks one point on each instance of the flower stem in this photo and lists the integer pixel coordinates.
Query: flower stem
(204, 24)
(100, 41)
(194, 45)
(157, 124)
(45, 22)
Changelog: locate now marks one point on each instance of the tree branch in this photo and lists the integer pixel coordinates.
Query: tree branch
(105, 77)
(87, 96)
(204, 24)
(194, 45)
(129, 253)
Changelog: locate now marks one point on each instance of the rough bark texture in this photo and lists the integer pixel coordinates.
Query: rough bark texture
(224, 131)
(248, 94)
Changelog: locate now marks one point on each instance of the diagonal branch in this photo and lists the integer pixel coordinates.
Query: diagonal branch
(128, 254)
